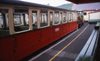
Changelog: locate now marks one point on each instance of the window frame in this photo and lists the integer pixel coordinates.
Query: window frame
(1, 23)
(51, 18)
(58, 18)
(20, 19)
(35, 21)
(24, 20)
(47, 15)
(65, 17)
(9, 30)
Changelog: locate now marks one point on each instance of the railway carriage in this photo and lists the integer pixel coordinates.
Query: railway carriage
(28, 27)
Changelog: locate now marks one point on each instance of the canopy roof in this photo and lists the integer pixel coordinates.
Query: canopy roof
(83, 1)
(89, 6)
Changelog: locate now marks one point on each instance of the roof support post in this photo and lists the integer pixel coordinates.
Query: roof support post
(48, 17)
(53, 17)
(11, 20)
(38, 19)
(30, 19)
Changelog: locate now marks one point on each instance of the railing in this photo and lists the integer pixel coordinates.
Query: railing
(97, 54)
(88, 50)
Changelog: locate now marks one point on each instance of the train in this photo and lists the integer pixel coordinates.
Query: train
(92, 16)
(28, 27)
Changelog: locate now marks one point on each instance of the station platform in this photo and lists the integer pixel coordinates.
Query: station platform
(68, 48)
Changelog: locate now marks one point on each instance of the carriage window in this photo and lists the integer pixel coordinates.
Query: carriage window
(1, 21)
(64, 17)
(17, 19)
(74, 16)
(69, 14)
(3, 25)
(20, 22)
(51, 18)
(67, 17)
(60, 17)
(44, 19)
(56, 18)
(34, 18)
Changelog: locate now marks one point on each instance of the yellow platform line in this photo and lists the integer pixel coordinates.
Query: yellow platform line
(67, 45)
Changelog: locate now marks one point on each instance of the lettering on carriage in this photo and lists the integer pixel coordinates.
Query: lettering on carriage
(57, 29)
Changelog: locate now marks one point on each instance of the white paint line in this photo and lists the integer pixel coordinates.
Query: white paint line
(90, 49)
(85, 46)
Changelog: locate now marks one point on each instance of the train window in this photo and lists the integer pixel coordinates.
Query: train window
(60, 16)
(77, 16)
(44, 19)
(74, 16)
(17, 19)
(20, 22)
(1, 21)
(68, 16)
(64, 17)
(51, 18)
(4, 30)
(71, 16)
(56, 19)
(34, 15)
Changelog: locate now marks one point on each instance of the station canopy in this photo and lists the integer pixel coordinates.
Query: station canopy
(87, 6)
(83, 1)
(82, 5)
